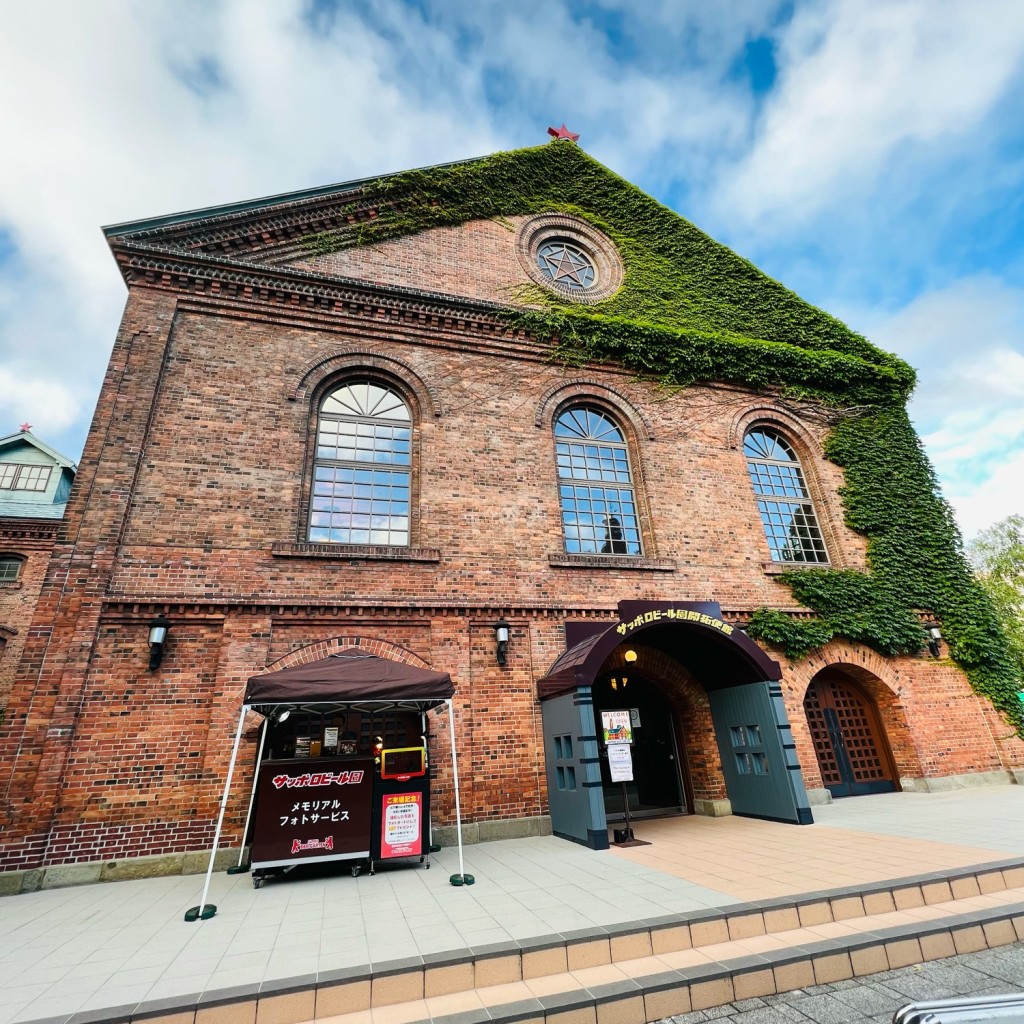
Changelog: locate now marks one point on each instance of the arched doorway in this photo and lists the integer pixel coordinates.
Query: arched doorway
(850, 744)
(658, 785)
(710, 691)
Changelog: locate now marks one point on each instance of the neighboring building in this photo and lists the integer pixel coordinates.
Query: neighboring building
(334, 418)
(35, 481)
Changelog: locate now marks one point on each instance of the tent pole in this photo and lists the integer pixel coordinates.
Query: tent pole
(461, 878)
(252, 795)
(205, 911)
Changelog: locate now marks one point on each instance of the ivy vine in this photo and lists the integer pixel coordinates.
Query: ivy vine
(691, 310)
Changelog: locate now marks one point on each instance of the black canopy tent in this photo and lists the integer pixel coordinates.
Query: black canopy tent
(351, 679)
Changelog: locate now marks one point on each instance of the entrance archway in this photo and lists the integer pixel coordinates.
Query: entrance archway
(851, 746)
(715, 697)
(658, 787)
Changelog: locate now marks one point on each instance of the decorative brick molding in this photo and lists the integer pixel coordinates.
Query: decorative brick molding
(367, 644)
(598, 246)
(354, 358)
(562, 560)
(354, 552)
(778, 415)
(582, 388)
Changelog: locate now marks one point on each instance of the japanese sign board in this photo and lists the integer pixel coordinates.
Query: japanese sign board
(401, 825)
(620, 762)
(312, 809)
(616, 727)
(675, 615)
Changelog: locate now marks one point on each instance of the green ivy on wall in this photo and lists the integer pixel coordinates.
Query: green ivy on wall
(691, 310)
(915, 556)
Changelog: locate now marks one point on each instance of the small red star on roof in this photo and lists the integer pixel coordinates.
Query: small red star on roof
(563, 133)
(26, 427)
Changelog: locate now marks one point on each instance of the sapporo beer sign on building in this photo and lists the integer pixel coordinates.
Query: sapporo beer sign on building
(674, 615)
(313, 811)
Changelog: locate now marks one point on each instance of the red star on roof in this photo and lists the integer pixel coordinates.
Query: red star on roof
(26, 427)
(563, 133)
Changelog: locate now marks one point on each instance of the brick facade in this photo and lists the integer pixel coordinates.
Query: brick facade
(31, 540)
(192, 500)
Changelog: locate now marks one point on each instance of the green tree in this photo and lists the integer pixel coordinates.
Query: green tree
(998, 557)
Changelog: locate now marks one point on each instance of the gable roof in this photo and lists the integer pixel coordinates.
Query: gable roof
(689, 308)
(27, 437)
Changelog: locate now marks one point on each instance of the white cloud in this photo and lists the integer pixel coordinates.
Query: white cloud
(967, 341)
(862, 83)
(115, 110)
(44, 402)
(1001, 494)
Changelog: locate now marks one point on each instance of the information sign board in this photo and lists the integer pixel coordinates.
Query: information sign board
(401, 827)
(312, 809)
(620, 762)
(616, 727)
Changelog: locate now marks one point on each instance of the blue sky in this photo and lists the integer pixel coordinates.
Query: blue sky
(867, 153)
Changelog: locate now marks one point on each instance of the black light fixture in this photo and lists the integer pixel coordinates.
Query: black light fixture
(158, 628)
(501, 628)
(934, 635)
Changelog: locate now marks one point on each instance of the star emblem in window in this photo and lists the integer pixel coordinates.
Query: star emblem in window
(566, 264)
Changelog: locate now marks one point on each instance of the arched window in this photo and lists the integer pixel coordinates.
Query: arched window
(10, 568)
(787, 512)
(362, 470)
(595, 486)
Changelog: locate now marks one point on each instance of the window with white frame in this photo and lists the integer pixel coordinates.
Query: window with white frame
(10, 568)
(595, 486)
(783, 500)
(362, 470)
(16, 477)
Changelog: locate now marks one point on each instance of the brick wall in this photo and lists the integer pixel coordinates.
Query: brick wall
(31, 540)
(191, 497)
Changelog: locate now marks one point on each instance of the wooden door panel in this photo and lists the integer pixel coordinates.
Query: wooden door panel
(848, 739)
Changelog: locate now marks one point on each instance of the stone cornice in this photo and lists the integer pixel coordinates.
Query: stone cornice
(128, 610)
(267, 233)
(42, 532)
(282, 287)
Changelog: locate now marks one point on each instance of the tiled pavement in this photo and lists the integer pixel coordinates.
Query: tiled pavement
(875, 999)
(117, 944)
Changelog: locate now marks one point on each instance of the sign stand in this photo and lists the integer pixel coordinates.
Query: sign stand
(618, 739)
(625, 806)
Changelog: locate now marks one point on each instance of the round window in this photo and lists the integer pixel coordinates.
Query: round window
(568, 256)
(566, 264)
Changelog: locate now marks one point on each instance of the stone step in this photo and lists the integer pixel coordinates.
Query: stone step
(639, 971)
(486, 967)
(649, 988)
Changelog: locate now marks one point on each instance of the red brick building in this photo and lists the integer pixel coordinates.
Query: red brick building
(311, 436)
(35, 480)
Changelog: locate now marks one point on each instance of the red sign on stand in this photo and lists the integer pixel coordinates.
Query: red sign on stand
(401, 825)
(312, 809)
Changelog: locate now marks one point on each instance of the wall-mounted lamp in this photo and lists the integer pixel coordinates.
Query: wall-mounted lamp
(501, 628)
(935, 635)
(630, 655)
(158, 628)
(615, 682)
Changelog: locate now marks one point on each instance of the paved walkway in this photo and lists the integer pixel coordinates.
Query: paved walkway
(120, 943)
(874, 1000)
